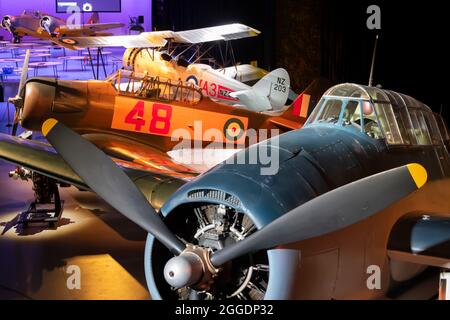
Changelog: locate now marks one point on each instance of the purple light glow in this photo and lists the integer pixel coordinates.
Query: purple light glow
(130, 8)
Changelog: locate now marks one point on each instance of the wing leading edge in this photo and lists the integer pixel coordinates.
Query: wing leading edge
(41, 158)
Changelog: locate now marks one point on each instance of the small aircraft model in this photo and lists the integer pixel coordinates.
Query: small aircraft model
(363, 186)
(164, 54)
(43, 26)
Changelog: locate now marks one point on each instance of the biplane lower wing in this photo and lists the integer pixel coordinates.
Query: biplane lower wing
(159, 39)
(41, 158)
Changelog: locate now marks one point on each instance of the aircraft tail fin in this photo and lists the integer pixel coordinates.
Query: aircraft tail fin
(297, 113)
(95, 18)
(275, 86)
(269, 93)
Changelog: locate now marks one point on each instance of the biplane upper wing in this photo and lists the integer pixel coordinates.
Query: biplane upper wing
(150, 173)
(159, 38)
(226, 32)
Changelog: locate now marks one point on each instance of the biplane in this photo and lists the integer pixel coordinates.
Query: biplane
(185, 56)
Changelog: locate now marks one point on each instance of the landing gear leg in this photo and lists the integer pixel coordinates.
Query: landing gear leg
(44, 188)
(47, 207)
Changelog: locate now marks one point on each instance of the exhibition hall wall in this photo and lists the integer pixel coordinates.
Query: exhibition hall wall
(130, 8)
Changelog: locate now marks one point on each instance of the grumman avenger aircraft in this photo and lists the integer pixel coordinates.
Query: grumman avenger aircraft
(178, 56)
(363, 185)
(46, 27)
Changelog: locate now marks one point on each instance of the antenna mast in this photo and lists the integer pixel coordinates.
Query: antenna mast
(373, 61)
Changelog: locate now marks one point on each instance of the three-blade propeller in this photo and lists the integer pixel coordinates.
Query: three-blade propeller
(324, 214)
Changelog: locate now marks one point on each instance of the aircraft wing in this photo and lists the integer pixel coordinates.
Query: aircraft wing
(226, 32)
(101, 26)
(423, 239)
(77, 30)
(159, 38)
(143, 40)
(135, 155)
(22, 31)
(41, 157)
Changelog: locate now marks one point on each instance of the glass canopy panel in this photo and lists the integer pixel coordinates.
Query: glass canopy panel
(402, 116)
(377, 94)
(420, 128)
(330, 111)
(432, 127)
(347, 90)
(388, 122)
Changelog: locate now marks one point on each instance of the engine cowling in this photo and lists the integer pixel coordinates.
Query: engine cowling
(6, 22)
(50, 25)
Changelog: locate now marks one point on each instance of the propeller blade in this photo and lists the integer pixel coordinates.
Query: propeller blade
(15, 123)
(331, 211)
(18, 99)
(24, 75)
(106, 179)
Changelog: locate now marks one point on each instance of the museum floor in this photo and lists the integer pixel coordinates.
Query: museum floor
(107, 248)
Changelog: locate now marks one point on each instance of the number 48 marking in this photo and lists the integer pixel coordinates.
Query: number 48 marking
(159, 124)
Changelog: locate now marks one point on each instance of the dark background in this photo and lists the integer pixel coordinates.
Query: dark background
(325, 38)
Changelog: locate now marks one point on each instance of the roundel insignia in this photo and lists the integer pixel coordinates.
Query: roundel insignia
(68, 41)
(233, 129)
(192, 79)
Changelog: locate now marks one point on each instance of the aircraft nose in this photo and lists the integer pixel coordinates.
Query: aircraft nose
(38, 102)
(46, 23)
(7, 23)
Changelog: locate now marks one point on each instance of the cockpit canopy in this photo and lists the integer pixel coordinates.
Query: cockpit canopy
(381, 114)
(147, 87)
(32, 13)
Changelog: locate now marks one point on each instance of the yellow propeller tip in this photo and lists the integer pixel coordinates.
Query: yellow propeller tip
(418, 173)
(48, 125)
